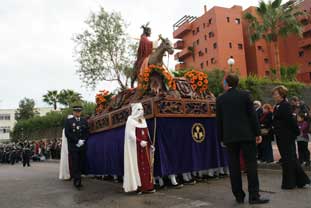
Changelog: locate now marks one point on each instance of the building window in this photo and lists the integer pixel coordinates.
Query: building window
(205, 50)
(201, 53)
(210, 21)
(266, 60)
(207, 64)
(193, 32)
(198, 29)
(202, 65)
(210, 34)
(240, 46)
(205, 37)
(215, 45)
(237, 21)
(198, 41)
(4, 129)
(5, 117)
(310, 75)
(301, 53)
(260, 48)
(267, 73)
(230, 45)
(213, 61)
(204, 25)
(309, 63)
(228, 19)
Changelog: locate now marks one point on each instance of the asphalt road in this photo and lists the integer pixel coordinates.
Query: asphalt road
(38, 187)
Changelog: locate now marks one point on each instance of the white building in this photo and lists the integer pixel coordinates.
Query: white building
(7, 120)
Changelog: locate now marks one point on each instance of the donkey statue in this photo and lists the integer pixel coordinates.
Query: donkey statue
(156, 58)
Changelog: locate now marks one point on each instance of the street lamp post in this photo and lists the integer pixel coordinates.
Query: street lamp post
(230, 62)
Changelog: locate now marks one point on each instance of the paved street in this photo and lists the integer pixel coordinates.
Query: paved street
(38, 187)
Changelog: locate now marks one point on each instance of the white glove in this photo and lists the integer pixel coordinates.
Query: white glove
(152, 148)
(143, 143)
(80, 143)
(222, 145)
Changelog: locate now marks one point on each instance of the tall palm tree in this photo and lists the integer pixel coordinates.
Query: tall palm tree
(51, 98)
(67, 97)
(273, 21)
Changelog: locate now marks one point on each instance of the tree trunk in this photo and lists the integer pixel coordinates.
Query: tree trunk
(277, 60)
(55, 105)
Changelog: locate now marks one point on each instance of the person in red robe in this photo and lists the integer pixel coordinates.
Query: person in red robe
(144, 50)
(137, 153)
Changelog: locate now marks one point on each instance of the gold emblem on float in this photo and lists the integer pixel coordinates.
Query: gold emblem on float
(198, 132)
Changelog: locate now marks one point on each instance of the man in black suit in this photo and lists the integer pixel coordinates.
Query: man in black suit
(77, 131)
(238, 130)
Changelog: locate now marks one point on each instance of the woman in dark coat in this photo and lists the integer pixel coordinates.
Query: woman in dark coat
(286, 131)
(265, 147)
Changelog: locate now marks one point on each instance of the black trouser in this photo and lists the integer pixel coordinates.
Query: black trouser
(265, 151)
(78, 161)
(292, 172)
(26, 158)
(303, 151)
(249, 153)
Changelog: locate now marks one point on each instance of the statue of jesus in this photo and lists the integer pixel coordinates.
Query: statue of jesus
(144, 50)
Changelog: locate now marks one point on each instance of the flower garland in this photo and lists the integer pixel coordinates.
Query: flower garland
(144, 78)
(102, 99)
(198, 80)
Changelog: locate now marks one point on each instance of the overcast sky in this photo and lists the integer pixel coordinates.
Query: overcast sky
(36, 47)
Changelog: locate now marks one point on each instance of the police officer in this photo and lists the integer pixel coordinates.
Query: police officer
(26, 154)
(76, 131)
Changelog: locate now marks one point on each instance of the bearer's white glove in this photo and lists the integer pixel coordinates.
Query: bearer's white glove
(80, 143)
(143, 143)
(152, 148)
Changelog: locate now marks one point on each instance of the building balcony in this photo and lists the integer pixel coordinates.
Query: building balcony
(307, 28)
(179, 44)
(305, 43)
(182, 55)
(180, 66)
(181, 31)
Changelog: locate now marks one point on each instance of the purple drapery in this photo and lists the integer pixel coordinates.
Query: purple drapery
(176, 151)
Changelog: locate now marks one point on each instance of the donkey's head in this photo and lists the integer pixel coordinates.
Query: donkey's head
(166, 45)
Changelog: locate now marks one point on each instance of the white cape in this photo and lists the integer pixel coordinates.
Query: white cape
(131, 180)
(64, 173)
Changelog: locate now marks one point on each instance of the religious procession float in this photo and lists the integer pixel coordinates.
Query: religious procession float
(180, 113)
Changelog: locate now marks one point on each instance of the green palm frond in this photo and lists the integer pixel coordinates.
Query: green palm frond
(276, 4)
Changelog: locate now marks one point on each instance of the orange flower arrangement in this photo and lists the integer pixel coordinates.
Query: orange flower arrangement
(102, 98)
(198, 80)
(144, 78)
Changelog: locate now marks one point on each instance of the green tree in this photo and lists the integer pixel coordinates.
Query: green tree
(274, 20)
(103, 51)
(215, 78)
(26, 109)
(67, 97)
(51, 98)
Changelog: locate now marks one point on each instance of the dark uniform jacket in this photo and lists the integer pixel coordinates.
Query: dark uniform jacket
(236, 117)
(75, 131)
(284, 123)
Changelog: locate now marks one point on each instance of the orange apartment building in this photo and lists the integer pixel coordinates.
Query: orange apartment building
(293, 50)
(221, 33)
(207, 42)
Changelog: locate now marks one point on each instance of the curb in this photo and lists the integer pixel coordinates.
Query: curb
(277, 167)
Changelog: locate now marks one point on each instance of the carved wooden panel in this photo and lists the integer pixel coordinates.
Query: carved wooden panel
(196, 108)
(184, 88)
(170, 107)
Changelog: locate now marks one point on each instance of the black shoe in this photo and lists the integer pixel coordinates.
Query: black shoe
(259, 200)
(178, 186)
(240, 200)
(191, 182)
